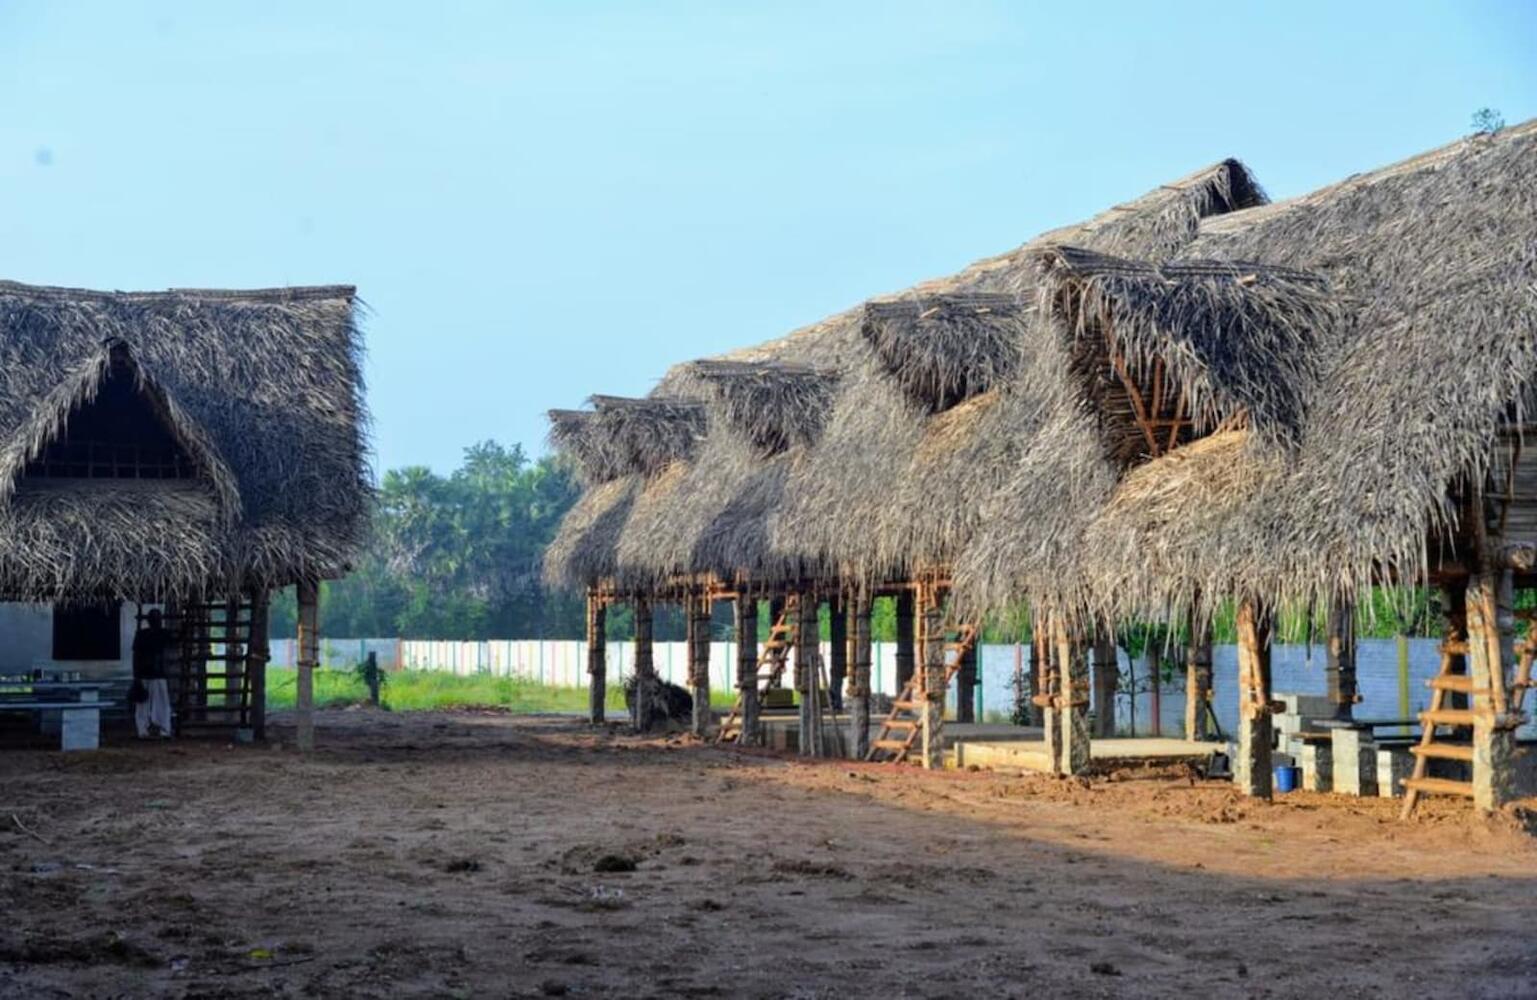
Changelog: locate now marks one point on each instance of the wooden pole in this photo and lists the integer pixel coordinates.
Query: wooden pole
(1043, 654)
(859, 679)
(1197, 679)
(966, 685)
(806, 644)
(308, 656)
(746, 608)
(699, 612)
(1106, 678)
(931, 641)
(597, 657)
(1251, 769)
(1072, 699)
(257, 655)
(1340, 653)
(906, 638)
(838, 650)
(645, 666)
(1155, 681)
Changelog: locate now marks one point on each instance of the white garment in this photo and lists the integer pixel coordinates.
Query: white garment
(154, 710)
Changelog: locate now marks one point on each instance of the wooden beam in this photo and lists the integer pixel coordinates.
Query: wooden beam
(306, 661)
(1134, 394)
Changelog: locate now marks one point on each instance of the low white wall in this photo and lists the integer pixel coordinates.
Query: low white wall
(26, 642)
(1295, 668)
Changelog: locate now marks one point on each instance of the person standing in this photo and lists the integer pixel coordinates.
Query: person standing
(153, 710)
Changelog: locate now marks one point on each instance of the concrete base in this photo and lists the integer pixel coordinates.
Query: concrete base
(751, 732)
(859, 726)
(1252, 763)
(1317, 762)
(1393, 766)
(1355, 762)
(1031, 754)
(1074, 726)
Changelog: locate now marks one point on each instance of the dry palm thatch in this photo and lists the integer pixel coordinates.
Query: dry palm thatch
(945, 349)
(774, 405)
(1435, 264)
(620, 448)
(840, 511)
(642, 436)
(261, 391)
(583, 551)
(1236, 339)
(712, 516)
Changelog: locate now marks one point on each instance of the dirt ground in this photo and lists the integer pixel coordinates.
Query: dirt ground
(485, 855)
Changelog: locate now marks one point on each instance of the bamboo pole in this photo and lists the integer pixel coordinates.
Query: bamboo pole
(597, 657)
(859, 678)
(1251, 769)
(308, 656)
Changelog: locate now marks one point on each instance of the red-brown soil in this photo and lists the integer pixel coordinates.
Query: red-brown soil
(487, 855)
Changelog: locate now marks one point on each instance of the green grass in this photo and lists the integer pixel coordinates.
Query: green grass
(424, 690)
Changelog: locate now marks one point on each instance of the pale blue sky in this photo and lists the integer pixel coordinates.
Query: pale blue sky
(541, 201)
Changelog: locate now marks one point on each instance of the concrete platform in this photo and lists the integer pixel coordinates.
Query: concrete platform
(1030, 755)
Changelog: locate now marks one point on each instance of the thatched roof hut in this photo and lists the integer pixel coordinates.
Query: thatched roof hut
(1370, 364)
(176, 444)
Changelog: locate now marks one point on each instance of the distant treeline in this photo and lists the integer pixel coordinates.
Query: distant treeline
(458, 557)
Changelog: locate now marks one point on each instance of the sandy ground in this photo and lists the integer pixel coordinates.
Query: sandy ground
(483, 855)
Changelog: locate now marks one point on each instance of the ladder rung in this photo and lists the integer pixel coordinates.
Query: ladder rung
(890, 744)
(1443, 751)
(906, 706)
(1451, 682)
(901, 724)
(1454, 649)
(1440, 786)
(1447, 717)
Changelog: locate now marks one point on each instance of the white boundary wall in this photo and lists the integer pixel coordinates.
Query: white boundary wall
(1296, 668)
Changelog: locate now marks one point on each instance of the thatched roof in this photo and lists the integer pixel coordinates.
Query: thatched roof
(1235, 338)
(262, 393)
(712, 515)
(944, 349)
(884, 441)
(1432, 264)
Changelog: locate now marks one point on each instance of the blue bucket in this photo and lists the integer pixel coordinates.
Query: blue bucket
(1287, 778)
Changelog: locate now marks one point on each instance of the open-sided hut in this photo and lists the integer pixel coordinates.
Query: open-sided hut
(192, 449)
(1366, 386)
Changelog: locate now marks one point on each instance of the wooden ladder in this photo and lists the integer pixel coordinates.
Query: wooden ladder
(1434, 747)
(901, 728)
(772, 661)
(213, 684)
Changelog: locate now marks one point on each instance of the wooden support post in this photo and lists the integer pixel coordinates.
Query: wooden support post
(1106, 677)
(906, 638)
(746, 607)
(1340, 653)
(597, 657)
(698, 607)
(931, 641)
(645, 667)
(806, 687)
(257, 655)
(1251, 769)
(859, 678)
(1455, 598)
(1047, 687)
(1155, 683)
(1197, 679)
(306, 661)
(1491, 649)
(1072, 699)
(838, 650)
(966, 685)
